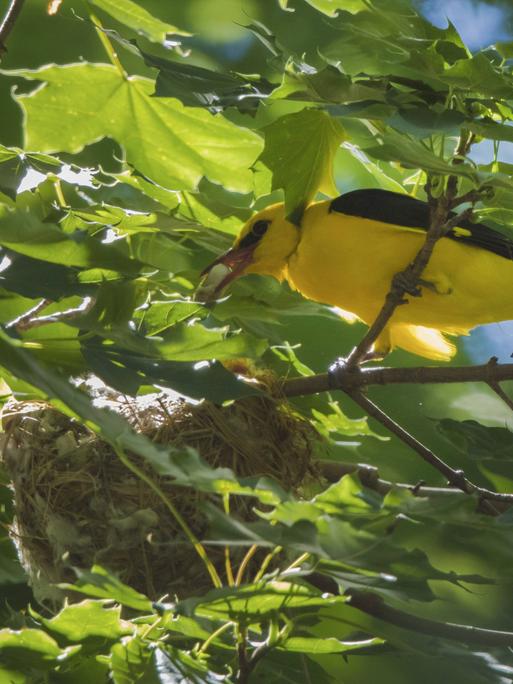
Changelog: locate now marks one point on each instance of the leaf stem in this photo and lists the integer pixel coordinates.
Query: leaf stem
(244, 564)
(214, 635)
(198, 547)
(266, 561)
(227, 558)
(107, 45)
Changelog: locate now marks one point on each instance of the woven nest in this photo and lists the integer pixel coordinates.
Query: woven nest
(76, 504)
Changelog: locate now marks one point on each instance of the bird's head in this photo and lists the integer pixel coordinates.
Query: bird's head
(263, 246)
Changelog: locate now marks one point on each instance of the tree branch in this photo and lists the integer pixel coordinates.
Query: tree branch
(374, 605)
(407, 281)
(368, 476)
(30, 319)
(456, 478)
(23, 321)
(7, 25)
(347, 379)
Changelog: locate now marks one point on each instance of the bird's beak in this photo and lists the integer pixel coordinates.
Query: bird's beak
(221, 272)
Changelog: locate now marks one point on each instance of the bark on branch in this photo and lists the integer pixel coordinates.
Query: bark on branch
(350, 379)
(374, 605)
(7, 25)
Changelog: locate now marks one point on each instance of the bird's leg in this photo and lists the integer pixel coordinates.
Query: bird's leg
(403, 282)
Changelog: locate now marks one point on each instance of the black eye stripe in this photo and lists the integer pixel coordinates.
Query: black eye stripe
(257, 231)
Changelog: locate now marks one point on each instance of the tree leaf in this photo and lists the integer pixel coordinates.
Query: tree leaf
(185, 342)
(299, 150)
(128, 372)
(256, 602)
(32, 648)
(197, 86)
(87, 619)
(330, 7)
(27, 234)
(139, 19)
(303, 82)
(171, 144)
(99, 583)
(326, 645)
(478, 441)
(411, 153)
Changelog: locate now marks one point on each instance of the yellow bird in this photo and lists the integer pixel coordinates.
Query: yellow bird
(346, 251)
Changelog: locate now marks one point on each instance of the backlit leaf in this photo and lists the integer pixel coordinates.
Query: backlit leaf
(306, 142)
(171, 144)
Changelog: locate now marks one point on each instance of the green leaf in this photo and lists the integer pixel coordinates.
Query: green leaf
(27, 234)
(197, 86)
(139, 19)
(87, 619)
(15, 164)
(161, 251)
(134, 660)
(299, 150)
(330, 7)
(491, 129)
(101, 584)
(256, 602)
(422, 121)
(32, 648)
(128, 372)
(186, 342)
(326, 645)
(478, 441)
(478, 74)
(131, 661)
(329, 85)
(11, 571)
(413, 154)
(171, 144)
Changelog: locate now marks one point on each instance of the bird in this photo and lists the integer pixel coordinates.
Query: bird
(345, 252)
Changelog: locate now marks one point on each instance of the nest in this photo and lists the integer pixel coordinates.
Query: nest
(76, 504)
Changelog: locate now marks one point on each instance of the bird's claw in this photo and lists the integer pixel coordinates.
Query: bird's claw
(403, 282)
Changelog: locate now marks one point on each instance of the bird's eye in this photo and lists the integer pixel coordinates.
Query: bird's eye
(260, 227)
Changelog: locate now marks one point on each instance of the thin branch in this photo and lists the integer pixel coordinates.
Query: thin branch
(23, 321)
(349, 379)
(7, 25)
(29, 320)
(501, 393)
(369, 477)
(407, 281)
(344, 378)
(374, 605)
(456, 478)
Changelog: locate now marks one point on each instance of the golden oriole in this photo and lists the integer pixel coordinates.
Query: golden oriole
(346, 251)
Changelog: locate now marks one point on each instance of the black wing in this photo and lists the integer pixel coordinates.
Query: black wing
(403, 210)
